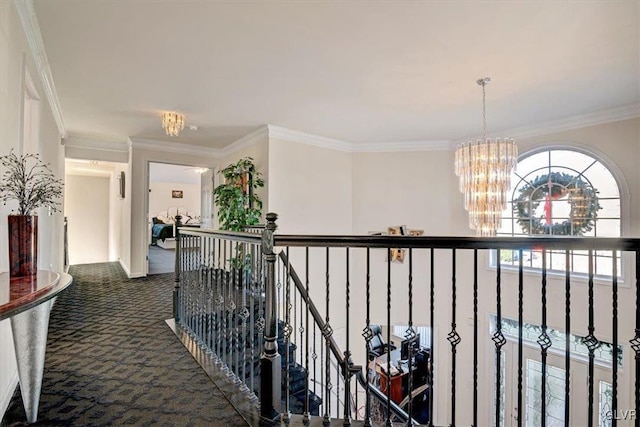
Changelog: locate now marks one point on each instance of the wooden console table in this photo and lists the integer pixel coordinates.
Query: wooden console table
(27, 302)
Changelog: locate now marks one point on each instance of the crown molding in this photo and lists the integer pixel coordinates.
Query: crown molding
(584, 120)
(97, 144)
(260, 134)
(610, 115)
(309, 139)
(400, 146)
(31, 29)
(174, 147)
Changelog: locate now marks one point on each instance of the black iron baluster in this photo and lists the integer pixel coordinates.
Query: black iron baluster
(294, 320)
(432, 338)
(498, 338)
(410, 334)
(520, 338)
(475, 337)
(338, 387)
(635, 343)
(388, 366)
(210, 293)
(327, 332)
(236, 283)
(231, 306)
(223, 311)
(216, 320)
(306, 341)
(567, 339)
(255, 277)
(453, 338)
(322, 378)
(244, 311)
(314, 357)
(219, 301)
(347, 353)
(592, 344)
(367, 338)
(614, 368)
(544, 341)
(287, 330)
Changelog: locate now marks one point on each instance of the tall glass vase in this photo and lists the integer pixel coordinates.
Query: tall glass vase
(23, 245)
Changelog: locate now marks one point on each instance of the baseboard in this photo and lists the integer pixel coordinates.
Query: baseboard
(128, 272)
(5, 399)
(166, 244)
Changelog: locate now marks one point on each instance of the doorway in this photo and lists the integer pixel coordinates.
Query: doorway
(173, 190)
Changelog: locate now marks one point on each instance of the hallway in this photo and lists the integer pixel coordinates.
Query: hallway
(112, 360)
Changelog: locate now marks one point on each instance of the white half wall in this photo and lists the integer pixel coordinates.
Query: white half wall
(87, 211)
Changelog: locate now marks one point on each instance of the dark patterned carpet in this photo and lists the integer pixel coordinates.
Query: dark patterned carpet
(112, 360)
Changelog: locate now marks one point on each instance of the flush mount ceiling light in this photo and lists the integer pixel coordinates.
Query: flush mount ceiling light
(485, 168)
(172, 123)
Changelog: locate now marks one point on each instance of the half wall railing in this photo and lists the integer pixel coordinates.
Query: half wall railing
(519, 331)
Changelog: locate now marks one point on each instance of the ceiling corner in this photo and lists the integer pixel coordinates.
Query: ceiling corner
(31, 28)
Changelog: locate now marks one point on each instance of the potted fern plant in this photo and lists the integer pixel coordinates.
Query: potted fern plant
(236, 199)
(31, 183)
(238, 204)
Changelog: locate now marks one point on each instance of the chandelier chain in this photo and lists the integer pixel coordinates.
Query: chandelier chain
(484, 112)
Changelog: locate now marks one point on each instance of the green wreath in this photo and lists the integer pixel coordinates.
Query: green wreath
(582, 198)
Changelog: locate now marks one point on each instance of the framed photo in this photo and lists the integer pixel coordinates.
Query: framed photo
(121, 186)
(176, 194)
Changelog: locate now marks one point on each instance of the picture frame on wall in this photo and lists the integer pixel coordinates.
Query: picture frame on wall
(121, 186)
(176, 194)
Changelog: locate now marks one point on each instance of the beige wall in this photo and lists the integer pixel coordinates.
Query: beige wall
(160, 197)
(86, 207)
(14, 54)
(310, 188)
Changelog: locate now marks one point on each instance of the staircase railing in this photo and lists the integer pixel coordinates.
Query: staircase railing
(272, 327)
(345, 404)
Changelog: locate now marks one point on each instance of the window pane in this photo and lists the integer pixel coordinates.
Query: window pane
(553, 194)
(606, 403)
(554, 396)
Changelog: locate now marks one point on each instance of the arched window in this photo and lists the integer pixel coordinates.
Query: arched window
(562, 192)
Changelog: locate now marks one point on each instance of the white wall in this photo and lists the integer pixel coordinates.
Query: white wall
(14, 54)
(87, 210)
(310, 188)
(160, 197)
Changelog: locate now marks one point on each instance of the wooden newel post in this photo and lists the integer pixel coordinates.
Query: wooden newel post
(270, 379)
(176, 289)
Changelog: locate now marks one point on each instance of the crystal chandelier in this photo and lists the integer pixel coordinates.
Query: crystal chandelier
(485, 168)
(172, 123)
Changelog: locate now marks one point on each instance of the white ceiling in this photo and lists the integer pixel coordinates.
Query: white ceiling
(162, 172)
(360, 71)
